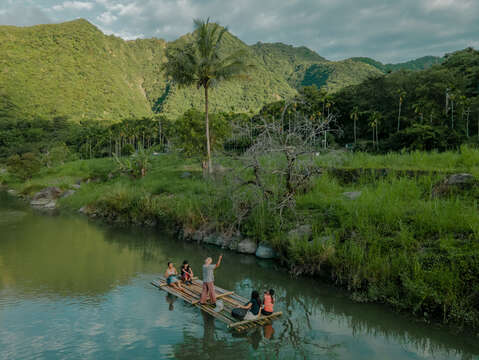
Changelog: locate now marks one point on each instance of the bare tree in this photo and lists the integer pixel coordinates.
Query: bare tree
(280, 163)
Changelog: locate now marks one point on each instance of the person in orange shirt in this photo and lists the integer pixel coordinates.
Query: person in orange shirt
(268, 302)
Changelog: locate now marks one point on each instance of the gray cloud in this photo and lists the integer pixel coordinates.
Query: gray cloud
(388, 30)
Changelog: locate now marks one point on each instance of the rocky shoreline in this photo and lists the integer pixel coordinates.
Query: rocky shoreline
(46, 201)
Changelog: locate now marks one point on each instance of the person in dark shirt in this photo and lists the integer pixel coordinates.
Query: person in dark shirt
(186, 273)
(253, 306)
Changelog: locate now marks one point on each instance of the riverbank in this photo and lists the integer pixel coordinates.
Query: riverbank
(408, 238)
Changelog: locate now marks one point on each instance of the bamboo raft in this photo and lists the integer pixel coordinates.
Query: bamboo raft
(191, 294)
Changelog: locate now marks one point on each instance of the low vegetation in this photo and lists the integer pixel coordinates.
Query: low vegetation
(396, 243)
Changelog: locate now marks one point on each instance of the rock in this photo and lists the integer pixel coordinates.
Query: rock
(265, 252)
(326, 239)
(51, 193)
(198, 236)
(352, 195)
(75, 186)
(232, 243)
(68, 193)
(185, 175)
(303, 232)
(44, 204)
(84, 210)
(461, 181)
(246, 246)
(214, 239)
(12, 192)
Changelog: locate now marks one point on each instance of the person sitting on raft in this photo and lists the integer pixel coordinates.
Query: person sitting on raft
(253, 306)
(171, 276)
(268, 301)
(186, 273)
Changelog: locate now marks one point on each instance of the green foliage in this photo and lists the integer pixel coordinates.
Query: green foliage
(190, 132)
(421, 63)
(57, 155)
(136, 165)
(23, 166)
(95, 73)
(421, 98)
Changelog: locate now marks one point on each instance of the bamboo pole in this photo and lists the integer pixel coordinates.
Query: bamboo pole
(219, 296)
(245, 322)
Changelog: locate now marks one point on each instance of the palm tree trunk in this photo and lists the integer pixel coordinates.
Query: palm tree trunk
(399, 115)
(208, 148)
(467, 122)
(355, 130)
(452, 115)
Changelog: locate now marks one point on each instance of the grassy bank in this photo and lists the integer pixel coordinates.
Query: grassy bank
(396, 243)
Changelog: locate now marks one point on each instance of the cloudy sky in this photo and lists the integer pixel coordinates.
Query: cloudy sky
(388, 30)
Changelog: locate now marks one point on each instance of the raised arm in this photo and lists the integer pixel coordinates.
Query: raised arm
(219, 261)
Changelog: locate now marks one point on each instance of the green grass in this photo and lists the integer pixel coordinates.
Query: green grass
(466, 160)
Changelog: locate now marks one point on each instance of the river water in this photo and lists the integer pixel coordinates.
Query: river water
(73, 289)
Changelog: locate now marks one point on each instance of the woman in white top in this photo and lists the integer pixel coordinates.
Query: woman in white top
(171, 276)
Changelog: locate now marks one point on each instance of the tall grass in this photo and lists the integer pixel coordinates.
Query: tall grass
(467, 159)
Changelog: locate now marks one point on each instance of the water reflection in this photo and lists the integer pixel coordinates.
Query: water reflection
(66, 283)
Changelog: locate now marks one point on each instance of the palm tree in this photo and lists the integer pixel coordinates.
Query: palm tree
(375, 119)
(402, 95)
(354, 116)
(418, 111)
(200, 63)
(452, 98)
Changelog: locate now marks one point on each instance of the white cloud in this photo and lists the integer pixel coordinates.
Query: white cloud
(432, 5)
(107, 18)
(74, 5)
(386, 30)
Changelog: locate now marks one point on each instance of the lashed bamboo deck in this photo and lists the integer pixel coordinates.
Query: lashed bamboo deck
(192, 293)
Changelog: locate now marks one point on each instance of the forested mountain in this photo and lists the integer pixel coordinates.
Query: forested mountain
(421, 63)
(303, 67)
(72, 69)
(437, 108)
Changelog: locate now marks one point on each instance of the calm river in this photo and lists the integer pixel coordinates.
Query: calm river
(73, 289)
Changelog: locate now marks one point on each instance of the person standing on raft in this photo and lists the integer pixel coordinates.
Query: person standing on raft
(208, 290)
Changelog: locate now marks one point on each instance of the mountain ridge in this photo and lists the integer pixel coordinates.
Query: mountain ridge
(73, 69)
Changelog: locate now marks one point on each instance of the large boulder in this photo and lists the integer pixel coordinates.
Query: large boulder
(12, 192)
(214, 239)
(233, 242)
(454, 182)
(198, 236)
(246, 246)
(302, 232)
(44, 204)
(51, 193)
(265, 252)
(352, 195)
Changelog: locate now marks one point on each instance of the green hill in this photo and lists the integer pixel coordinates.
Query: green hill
(303, 67)
(421, 63)
(73, 69)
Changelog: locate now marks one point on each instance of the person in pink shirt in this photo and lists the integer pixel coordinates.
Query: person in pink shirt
(268, 302)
